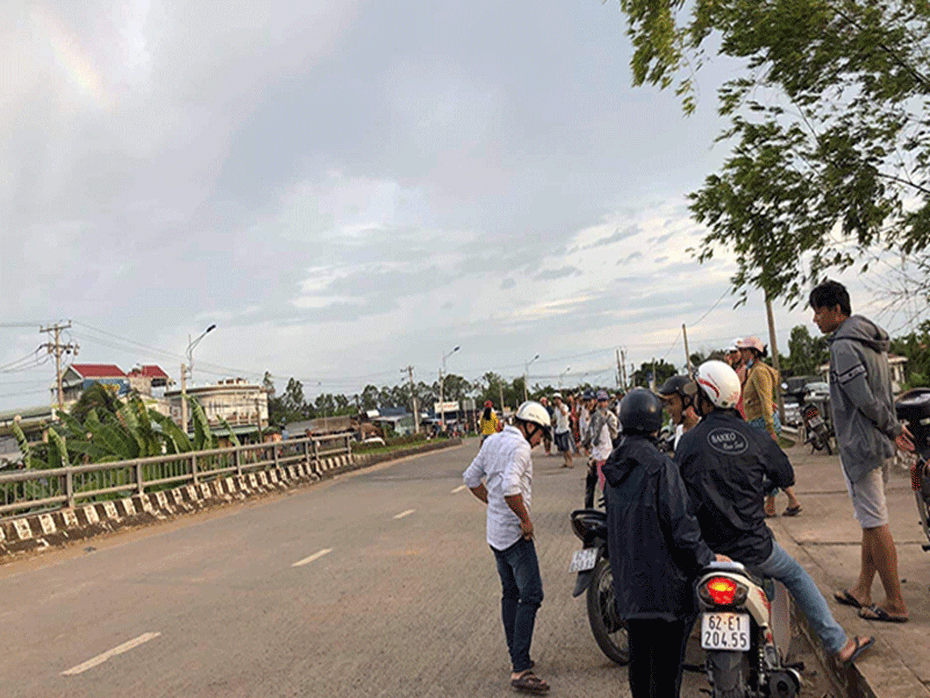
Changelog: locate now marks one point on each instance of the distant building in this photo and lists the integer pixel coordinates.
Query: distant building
(243, 405)
(143, 379)
(79, 377)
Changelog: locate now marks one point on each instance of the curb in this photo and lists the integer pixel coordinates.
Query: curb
(37, 532)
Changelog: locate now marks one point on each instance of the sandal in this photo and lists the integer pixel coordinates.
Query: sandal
(530, 683)
(860, 647)
(876, 612)
(792, 511)
(844, 597)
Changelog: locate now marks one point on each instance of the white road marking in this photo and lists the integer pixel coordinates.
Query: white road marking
(405, 513)
(101, 658)
(316, 556)
(459, 488)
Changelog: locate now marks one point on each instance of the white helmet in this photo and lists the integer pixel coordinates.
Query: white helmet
(532, 411)
(719, 383)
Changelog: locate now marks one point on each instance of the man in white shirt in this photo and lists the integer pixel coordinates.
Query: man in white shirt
(563, 432)
(501, 476)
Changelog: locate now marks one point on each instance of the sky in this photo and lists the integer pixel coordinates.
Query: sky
(347, 188)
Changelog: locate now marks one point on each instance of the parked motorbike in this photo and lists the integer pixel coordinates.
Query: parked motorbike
(818, 434)
(742, 659)
(913, 410)
(595, 577)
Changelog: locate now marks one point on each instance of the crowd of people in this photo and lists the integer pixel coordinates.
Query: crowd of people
(670, 515)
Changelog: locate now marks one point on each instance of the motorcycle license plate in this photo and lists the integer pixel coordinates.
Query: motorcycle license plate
(583, 560)
(725, 631)
(816, 421)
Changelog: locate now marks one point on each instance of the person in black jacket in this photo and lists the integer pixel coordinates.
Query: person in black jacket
(726, 466)
(655, 549)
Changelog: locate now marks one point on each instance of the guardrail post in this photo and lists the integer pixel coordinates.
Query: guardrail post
(237, 462)
(348, 445)
(140, 485)
(316, 456)
(194, 466)
(274, 454)
(69, 488)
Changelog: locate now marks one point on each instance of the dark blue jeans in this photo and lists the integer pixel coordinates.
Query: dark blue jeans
(522, 595)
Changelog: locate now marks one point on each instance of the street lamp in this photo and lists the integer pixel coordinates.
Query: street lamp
(191, 344)
(442, 380)
(562, 375)
(526, 370)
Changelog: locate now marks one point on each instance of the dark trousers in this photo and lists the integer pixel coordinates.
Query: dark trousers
(590, 485)
(657, 653)
(522, 594)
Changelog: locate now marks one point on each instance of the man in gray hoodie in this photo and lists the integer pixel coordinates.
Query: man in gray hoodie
(867, 431)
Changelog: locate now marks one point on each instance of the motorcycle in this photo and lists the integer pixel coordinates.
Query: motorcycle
(818, 434)
(913, 410)
(737, 633)
(596, 578)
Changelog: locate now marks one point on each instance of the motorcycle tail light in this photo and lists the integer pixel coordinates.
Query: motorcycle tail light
(723, 591)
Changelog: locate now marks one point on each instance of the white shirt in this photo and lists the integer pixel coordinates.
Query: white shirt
(602, 445)
(505, 465)
(561, 418)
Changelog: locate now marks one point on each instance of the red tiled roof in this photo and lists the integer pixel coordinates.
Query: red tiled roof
(149, 372)
(98, 370)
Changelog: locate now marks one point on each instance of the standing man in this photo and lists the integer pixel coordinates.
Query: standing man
(547, 439)
(501, 476)
(563, 433)
(867, 431)
(602, 431)
(656, 550)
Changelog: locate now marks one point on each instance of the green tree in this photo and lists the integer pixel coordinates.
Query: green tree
(828, 117)
(916, 348)
(663, 371)
(805, 353)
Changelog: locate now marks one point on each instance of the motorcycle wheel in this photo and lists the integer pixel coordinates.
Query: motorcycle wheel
(729, 672)
(609, 631)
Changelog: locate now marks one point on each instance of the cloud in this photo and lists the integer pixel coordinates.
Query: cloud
(560, 273)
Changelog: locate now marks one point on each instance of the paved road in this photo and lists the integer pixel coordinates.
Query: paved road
(395, 594)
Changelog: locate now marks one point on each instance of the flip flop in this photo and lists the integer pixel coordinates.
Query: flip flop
(847, 599)
(860, 648)
(876, 612)
(530, 683)
(792, 511)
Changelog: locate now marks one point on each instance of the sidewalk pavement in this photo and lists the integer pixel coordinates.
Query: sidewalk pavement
(825, 538)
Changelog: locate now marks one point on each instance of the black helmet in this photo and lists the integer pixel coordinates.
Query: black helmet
(640, 412)
(683, 386)
(588, 394)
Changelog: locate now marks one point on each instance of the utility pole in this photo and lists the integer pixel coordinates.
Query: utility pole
(184, 398)
(619, 368)
(625, 382)
(775, 362)
(57, 348)
(684, 332)
(413, 397)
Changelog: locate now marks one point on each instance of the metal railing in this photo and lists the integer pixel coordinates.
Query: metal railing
(35, 491)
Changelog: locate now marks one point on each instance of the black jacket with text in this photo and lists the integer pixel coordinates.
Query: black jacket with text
(724, 463)
(653, 538)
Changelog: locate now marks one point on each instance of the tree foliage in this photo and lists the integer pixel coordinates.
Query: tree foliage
(805, 353)
(829, 125)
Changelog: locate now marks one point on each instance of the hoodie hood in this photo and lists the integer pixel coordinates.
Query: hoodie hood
(623, 460)
(861, 329)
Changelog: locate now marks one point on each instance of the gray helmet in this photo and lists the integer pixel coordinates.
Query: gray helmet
(640, 412)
